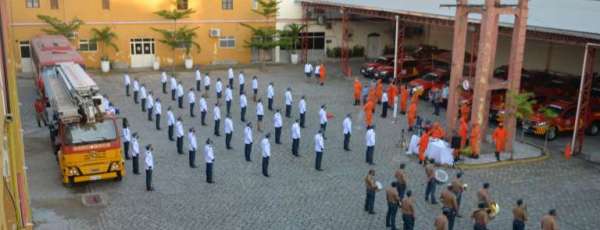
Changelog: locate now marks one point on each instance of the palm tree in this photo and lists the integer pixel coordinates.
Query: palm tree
(58, 27)
(180, 38)
(105, 37)
(290, 36)
(264, 38)
(521, 107)
(171, 38)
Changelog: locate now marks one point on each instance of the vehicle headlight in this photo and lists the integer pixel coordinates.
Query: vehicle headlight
(384, 72)
(542, 123)
(370, 68)
(376, 74)
(72, 171)
(114, 166)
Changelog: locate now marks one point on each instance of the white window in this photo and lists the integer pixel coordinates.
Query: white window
(227, 4)
(32, 3)
(227, 42)
(87, 45)
(255, 4)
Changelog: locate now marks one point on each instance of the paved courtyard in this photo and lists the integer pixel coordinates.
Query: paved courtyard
(295, 196)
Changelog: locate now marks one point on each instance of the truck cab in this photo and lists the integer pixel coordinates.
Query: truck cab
(566, 111)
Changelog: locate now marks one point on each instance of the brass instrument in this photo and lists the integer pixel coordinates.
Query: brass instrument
(493, 210)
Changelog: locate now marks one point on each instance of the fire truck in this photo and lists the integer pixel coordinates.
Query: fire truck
(85, 139)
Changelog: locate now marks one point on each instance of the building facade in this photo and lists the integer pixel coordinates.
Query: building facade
(14, 194)
(133, 21)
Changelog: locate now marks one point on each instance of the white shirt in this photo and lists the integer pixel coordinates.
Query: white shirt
(322, 116)
(135, 146)
(173, 83)
(228, 94)
(254, 83)
(136, 85)
(206, 80)
(179, 128)
(126, 134)
(216, 113)
(288, 97)
(347, 124)
(198, 75)
(259, 109)
(384, 97)
(319, 143)
(126, 79)
(270, 91)
(247, 135)
(180, 90)
(370, 137)
(149, 101)
(163, 77)
(243, 101)
(105, 103)
(157, 107)
(143, 92)
(241, 78)
(209, 155)
(193, 144)
(170, 118)
(202, 105)
(266, 147)
(149, 160)
(191, 97)
(277, 120)
(308, 68)
(228, 125)
(317, 69)
(230, 73)
(302, 106)
(219, 86)
(445, 92)
(295, 130)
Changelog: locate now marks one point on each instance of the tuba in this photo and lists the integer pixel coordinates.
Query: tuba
(493, 209)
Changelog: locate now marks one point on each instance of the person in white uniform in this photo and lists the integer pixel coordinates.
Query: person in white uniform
(143, 96)
(323, 120)
(266, 154)
(149, 160)
(254, 88)
(288, 102)
(347, 130)
(228, 98)
(198, 79)
(209, 158)
(217, 119)
(127, 83)
(260, 113)
(135, 153)
(180, 93)
(192, 147)
(157, 110)
(191, 96)
(228, 131)
(370, 142)
(243, 106)
(319, 148)
(163, 82)
(270, 96)
(241, 81)
(126, 135)
(277, 123)
(295, 137)
(170, 123)
(136, 90)
(302, 109)
(248, 141)
(203, 109)
(179, 132)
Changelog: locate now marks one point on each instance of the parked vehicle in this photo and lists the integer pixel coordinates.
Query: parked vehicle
(428, 82)
(368, 69)
(410, 69)
(564, 121)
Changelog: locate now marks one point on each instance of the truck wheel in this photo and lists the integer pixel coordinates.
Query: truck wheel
(71, 182)
(119, 177)
(552, 133)
(594, 129)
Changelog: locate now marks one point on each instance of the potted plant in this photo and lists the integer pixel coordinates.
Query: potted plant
(156, 63)
(186, 38)
(173, 38)
(104, 37)
(264, 38)
(291, 35)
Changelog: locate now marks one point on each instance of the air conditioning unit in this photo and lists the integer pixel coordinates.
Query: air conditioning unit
(214, 32)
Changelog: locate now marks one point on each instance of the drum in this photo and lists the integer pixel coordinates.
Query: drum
(441, 176)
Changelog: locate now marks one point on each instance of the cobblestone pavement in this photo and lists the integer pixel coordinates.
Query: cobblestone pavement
(295, 196)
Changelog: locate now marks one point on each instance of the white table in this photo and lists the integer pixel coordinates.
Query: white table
(438, 150)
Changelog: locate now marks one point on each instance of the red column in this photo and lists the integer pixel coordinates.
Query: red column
(461, 23)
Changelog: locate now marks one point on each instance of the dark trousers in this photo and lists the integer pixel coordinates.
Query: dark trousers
(390, 217)
(136, 96)
(180, 145)
(384, 110)
(228, 140)
(170, 132)
(295, 145)
(243, 114)
(172, 95)
(436, 108)
(370, 201)
(164, 87)
(148, 179)
(369, 154)
(356, 101)
(319, 158)
(192, 109)
(409, 222)
(324, 127)
(126, 149)
(209, 172)
(192, 158)
(288, 110)
(217, 125)
(265, 166)
(347, 141)
(270, 104)
(241, 88)
(231, 82)
(497, 155)
(149, 114)
(277, 135)
(157, 118)
(198, 85)
(143, 104)
(180, 102)
(477, 226)
(136, 165)
(203, 117)
(458, 200)
(127, 90)
(228, 107)
(430, 191)
(451, 218)
(302, 119)
(401, 188)
(518, 225)
(247, 151)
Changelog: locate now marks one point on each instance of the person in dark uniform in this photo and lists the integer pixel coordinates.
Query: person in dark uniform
(393, 200)
(266, 154)
(135, 153)
(449, 205)
(408, 211)
(371, 189)
(209, 158)
(149, 160)
(401, 180)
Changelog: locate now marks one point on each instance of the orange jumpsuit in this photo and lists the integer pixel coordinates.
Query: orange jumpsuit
(392, 95)
(475, 140)
(412, 114)
(499, 137)
(403, 98)
(568, 151)
(322, 74)
(379, 90)
(462, 132)
(357, 89)
(437, 131)
(368, 109)
(464, 111)
(423, 143)
(372, 96)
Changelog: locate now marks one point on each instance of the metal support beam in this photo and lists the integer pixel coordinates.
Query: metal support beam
(304, 44)
(461, 24)
(345, 52)
(583, 103)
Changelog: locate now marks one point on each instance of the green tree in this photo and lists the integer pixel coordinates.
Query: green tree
(290, 35)
(105, 37)
(264, 38)
(520, 106)
(177, 38)
(58, 27)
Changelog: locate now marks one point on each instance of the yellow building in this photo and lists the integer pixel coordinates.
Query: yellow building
(14, 194)
(132, 21)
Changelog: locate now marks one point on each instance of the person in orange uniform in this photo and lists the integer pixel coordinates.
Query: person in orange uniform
(368, 109)
(322, 74)
(357, 89)
(379, 91)
(392, 91)
(462, 132)
(412, 115)
(499, 137)
(475, 132)
(464, 111)
(423, 143)
(437, 131)
(403, 98)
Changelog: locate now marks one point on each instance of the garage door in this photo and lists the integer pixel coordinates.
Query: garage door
(25, 50)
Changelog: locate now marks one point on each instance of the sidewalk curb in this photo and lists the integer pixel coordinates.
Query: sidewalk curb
(503, 163)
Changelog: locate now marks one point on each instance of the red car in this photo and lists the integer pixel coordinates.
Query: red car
(410, 69)
(565, 110)
(368, 69)
(428, 82)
